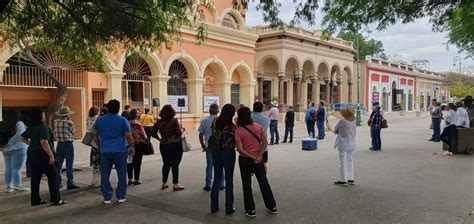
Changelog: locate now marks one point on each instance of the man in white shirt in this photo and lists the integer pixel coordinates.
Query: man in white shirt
(450, 131)
(273, 117)
(462, 116)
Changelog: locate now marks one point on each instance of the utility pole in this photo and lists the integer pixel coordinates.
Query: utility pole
(455, 59)
(358, 115)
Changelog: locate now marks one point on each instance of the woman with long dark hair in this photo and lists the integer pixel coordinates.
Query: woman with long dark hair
(14, 152)
(140, 141)
(168, 131)
(251, 142)
(41, 157)
(95, 152)
(224, 130)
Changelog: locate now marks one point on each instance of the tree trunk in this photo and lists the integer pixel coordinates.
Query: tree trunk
(61, 89)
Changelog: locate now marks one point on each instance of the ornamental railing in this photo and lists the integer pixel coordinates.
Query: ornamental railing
(28, 76)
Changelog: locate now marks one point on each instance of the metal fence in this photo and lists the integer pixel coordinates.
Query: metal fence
(28, 76)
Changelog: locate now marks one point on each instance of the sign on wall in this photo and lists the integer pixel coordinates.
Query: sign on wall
(375, 97)
(209, 100)
(173, 101)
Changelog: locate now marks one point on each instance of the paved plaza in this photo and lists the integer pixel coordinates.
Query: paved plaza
(404, 183)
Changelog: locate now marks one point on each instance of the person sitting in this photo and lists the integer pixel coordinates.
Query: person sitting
(450, 131)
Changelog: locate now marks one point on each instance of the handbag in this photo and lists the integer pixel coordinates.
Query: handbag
(384, 124)
(186, 144)
(87, 140)
(149, 150)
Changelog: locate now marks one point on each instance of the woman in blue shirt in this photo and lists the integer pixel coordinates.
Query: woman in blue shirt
(14, 152)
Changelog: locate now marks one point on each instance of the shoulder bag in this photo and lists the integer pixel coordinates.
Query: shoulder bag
(254, 135)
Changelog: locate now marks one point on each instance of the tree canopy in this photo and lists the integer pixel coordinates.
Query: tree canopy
(456, 17)
(366, 46)
(461, 90)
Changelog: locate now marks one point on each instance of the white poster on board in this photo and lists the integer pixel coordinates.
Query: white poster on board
(173, 101)
(208, 101)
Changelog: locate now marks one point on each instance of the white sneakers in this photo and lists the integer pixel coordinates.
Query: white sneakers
(121, 200)
(107, 202)
(17, 189)
(447, 153)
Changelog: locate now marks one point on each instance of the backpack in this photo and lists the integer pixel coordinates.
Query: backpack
(213, 144)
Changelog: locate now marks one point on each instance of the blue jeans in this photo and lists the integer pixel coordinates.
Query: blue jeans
(224, 160)
(376, 140)
(209, 170)
(321, 133)
(274, 135)
(436, 128)
(119, 160)
(148, 131)
(65, 151)
(14, 161)
(288, 130)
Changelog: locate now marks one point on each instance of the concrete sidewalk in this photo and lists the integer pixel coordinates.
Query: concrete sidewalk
(404, 183)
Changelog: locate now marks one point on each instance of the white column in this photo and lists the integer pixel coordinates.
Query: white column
(159, 88)
(247, 94)
(114, 88)
(195, 96)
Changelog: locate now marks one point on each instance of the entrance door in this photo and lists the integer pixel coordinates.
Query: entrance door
(235, 95)
(322, 93)
(295, 95)
(137, 94)
(267, 92)
(410, 101)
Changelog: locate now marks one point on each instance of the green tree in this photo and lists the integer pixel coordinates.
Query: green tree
(366, 46)
(454, 17)
(461, 90)
(86, 30)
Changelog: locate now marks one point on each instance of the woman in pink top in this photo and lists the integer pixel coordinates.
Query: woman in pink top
(251, 142)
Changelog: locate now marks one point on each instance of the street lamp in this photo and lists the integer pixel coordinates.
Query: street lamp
(358, 115)
(456, 59)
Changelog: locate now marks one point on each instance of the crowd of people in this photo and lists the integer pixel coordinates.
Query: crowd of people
(120, 141)
(455, 117)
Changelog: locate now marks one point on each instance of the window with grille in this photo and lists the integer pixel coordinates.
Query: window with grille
(235, 95)
(98, 98)
(176, 84)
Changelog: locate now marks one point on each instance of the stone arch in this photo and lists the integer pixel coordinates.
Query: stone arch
(188, 61)
(235, 14)
(335, 71)
(242, 80)
(323, 70)
(272, 59)
(151, 58)
(294, 57)
(218, 66)
(292, 66)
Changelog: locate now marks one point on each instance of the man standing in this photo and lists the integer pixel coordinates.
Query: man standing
(110, 132)
(64, 132)
(205, 132)
(148, 122)
(436, 115)
(321, 117)
(310, 119)
(273, 117)
(258, 117)
(289, 124)
(126, 112)
(462, 116)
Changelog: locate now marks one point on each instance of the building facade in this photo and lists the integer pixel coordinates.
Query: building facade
(398, 87)
(295, 66)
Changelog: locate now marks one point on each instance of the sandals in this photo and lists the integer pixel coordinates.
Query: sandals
(178, 187)
(58, 203)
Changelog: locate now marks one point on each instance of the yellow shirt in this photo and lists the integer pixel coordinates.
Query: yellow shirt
(147, 120)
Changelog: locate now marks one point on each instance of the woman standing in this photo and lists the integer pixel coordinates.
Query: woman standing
(346, 144)
(168, 131)
(95, 152)
(41, 157)
(375, 128)
(224, 129)
(139, 139)
(251, 142)
(14, 152)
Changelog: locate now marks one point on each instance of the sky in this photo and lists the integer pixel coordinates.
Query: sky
(405, 42)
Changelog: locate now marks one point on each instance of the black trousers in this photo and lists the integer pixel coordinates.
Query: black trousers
(448, 136)
(171, 155)
(39, 161)
(135, 166)
(223, 160)
(247, 167)
(310, 128)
